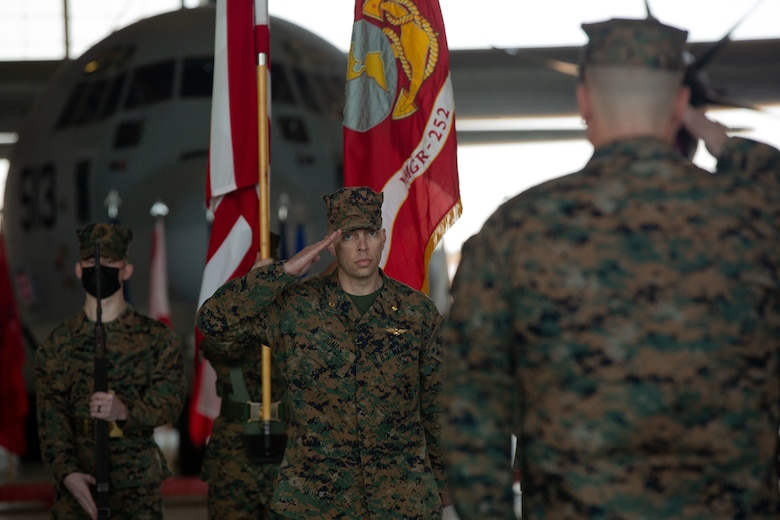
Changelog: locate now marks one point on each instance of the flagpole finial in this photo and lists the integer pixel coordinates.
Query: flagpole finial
(159, 209)
(112, 202)
(284, 202)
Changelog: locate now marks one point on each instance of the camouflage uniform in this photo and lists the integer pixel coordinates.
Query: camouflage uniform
(145, 371)
(363, 438)
(624, 322)
(238, 489)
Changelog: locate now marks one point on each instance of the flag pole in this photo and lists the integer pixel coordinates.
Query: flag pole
(262, 155)
(264, 224)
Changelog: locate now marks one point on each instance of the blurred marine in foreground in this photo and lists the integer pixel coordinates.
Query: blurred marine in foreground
(623, 321)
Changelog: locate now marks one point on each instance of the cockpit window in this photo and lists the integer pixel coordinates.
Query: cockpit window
(114, 91)
(293, 129)
(281, 90)
(307, 90)
(331, 90)
(96, 95)
(197, 77)
(151, 84)
(67, 116)
(109, 60)
(128, 133)
(89, 109)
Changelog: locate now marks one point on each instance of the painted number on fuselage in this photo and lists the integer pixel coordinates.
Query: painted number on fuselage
(37, 197)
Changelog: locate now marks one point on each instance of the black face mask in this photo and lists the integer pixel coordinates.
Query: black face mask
(109, 280)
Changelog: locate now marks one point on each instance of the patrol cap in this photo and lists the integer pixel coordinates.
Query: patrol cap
(640, 43)
(114, 240)
(354, 208)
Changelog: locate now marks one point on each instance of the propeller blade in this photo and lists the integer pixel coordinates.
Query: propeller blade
(744, 16)
(706, 56)
(702, 94)
(724, 102)
(564, 67)
(647, 10)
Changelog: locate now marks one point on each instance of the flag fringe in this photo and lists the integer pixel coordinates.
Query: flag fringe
(438, 233)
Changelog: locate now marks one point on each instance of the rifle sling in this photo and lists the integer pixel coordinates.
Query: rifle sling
(240, 394)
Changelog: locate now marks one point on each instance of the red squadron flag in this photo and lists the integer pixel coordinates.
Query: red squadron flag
(13, 392)
(241, 35)
(399, 128)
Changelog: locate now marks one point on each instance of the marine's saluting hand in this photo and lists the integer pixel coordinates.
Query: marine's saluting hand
(711, 132)
(300, 264)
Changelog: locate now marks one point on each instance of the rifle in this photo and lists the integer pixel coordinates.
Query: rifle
(101, 385)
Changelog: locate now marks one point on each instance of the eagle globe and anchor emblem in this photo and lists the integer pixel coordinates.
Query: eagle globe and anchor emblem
(372, 77)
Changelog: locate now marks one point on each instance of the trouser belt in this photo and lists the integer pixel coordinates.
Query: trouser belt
(250, 411)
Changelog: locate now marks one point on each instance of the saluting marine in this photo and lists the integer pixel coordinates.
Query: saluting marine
(361, 356)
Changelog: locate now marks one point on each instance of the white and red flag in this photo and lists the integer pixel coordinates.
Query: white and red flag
(241, 36)
(399, 128)
(159, 304)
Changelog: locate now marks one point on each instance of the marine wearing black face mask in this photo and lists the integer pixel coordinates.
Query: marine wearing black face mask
(109, 280)
(114, 242)
(125, 376)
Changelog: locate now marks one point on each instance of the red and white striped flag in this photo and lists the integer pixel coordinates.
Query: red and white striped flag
(159, 305)
(399, 128)
(241, 36)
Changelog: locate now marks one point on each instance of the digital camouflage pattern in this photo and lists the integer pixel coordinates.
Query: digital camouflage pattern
(363, 438)
(354, 208)
(147, 504)
(624, 322)
(144, 370)
(641, 43)
(114, 240)
(238, 489)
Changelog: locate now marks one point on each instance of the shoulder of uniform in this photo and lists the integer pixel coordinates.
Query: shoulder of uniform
(410, 297)
(403, 288)
(71, 323)
(147, 322)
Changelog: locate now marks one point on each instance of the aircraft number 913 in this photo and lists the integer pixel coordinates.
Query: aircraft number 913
(37, 197)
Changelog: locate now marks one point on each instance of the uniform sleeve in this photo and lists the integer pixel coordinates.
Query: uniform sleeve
(430, 397)
(57, 440)
(752, 160)
(162, 401)
(756, 164)
(217, 355)
(479, 388)
(236, 315)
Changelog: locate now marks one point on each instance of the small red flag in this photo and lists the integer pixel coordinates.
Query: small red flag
(13, 393)
(159, 304)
